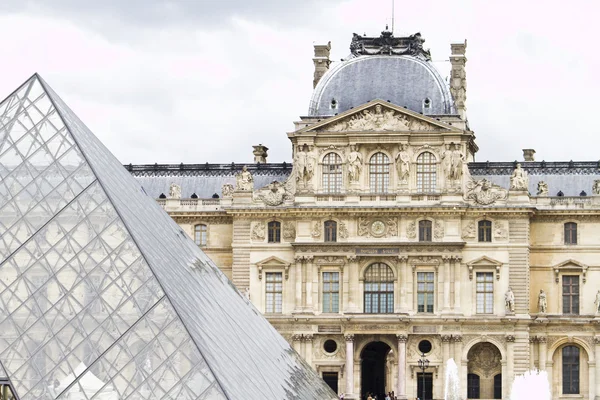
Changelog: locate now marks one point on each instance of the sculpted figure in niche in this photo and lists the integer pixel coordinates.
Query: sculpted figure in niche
(542, 188)
(597, 302)
(519, 179)
(453, 160)
(509, 300)
(244, 180)
(354, 164)
(542, 304)
(403, 163)
(304, 162)
(596, 187)
(174, 191)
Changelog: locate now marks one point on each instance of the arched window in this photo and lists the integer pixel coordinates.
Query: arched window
(425, 231)
(200, 234)
(379, 173)
(485, 231)
(498, 386)
(426, 173)
(274, 229)
(472, 386)
(332, 173)
(570, 233)
(570, 370)
(379, 289)
(330, 231)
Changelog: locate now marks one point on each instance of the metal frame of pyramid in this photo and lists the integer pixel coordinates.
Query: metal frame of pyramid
(102, 295)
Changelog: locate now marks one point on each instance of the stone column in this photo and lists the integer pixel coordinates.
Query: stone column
(461, 364)
(532, 341)
(344, 288)
(446, 308)
(597, 345)
(401, 387)
(542, 352)
(298, 305)
(402, 283)
(446, 355)
(457, 274)
(349, 366)
(308, 347)
(352, 274)
(510, 364)
(309, 283)
(297, 343)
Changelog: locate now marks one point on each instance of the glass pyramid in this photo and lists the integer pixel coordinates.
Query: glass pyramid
(102, 295)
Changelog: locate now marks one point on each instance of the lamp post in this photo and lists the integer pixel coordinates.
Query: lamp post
(423, 365)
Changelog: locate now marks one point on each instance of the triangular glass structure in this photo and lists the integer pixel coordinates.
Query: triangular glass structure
(102, 295)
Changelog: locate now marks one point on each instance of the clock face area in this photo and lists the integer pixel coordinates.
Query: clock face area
(377, 228)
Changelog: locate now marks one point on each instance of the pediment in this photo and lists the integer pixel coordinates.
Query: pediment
(481, 261)
(273, 262)
(570, 266)
(380, 116)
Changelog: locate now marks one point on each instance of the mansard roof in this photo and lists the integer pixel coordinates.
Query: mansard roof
(103, 295)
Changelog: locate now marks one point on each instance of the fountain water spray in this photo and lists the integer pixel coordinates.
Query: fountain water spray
(531, 385)
(452, 390)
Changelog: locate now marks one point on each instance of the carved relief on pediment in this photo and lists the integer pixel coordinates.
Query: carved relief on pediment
(484, 192)
(378, 118)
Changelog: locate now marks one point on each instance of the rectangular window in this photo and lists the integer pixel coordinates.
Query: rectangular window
(485, 293)
(485, 231)
(200, 235)
(425, 227)
(570, 296)
(425, 285)
(331, 292)
(274, 292)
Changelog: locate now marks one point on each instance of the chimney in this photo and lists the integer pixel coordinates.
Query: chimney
(321, 61)
(529, 154)
(260, 154)
(458, 80)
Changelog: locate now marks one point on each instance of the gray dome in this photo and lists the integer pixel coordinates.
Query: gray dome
(402, 80)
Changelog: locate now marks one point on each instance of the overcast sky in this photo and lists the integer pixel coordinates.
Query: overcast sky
(199, 81)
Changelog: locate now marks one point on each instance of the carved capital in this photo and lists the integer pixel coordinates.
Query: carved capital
(297, 337)
(349, 338)
(510, 338)
(307, 337)
(352, 258)
(457, 338)
(402, 338)
(403, 258)
(542, 339)
(299, 259)
(446, 338)
(597, 340)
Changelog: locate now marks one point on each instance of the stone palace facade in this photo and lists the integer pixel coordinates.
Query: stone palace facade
(385, 242)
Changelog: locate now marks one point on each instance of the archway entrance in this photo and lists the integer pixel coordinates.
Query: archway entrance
(484, 379)
(374, 359)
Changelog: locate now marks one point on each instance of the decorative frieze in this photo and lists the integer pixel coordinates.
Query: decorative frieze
(258, 231)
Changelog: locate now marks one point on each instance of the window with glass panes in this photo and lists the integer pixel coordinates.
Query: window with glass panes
(200, 234)
(485, 292)
(274, 232)
(570, 294)
(485, 231)
(570, 233)
(379, 289)
(331, 292)
(274, 292)
(425, 285)
(570, 370)
(425, 227)
(330, 231)
(379, 173)
(332, 173)
(426, 173)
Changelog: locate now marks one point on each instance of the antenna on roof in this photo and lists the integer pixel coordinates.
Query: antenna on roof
(393, 3)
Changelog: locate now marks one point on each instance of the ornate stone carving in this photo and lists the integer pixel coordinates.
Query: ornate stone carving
(392, 227)
(227, 190)
(258, 231)
(364, 226)
(509, 301)
(388, 44)
(304, 164)
(174, 191)
(542, 303)
(343, 230)
(500, 231)
(485, 357)
(349, 338)
(452, 162)
(597, 340)
(297, 337)
(519, 179)
(275, 194)
(510, 338)
(542, 188)
(484, 193)
(411, 230)
(469, 231)
(402, 338)
(446, 338)
(316, 230)
(403, 163)
(596, 187)
(289, 230)
(597, 301)
(244, 180)
(377, 119)
(354, 164)
(438, 230)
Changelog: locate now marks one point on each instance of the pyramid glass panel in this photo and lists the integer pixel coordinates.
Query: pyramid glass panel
(102, 295)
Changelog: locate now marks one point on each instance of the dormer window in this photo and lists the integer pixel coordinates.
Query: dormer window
(426, 105)
(334, 104)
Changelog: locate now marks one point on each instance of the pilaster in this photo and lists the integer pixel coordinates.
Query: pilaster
(456, 262)
(401, 383)
(349, 366)
(510, 365)
(446, 277)
(402, 284)
(308, 347)
(298, 277)
(308, 262)
(597, 348)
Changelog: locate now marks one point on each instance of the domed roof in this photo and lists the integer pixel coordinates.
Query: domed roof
(404, 80)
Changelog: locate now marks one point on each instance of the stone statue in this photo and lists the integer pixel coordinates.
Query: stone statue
(519, 179)
(244, 180)
(597, 302)
(276, 194)
(174, 191)
(509, 301)
(403, 163)
(227, 190)
(354, 164)
(453, 160)
(542, 304)
(247, 292)
(596, 187)
(304, 163)
(542, 189)
(377, 119)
